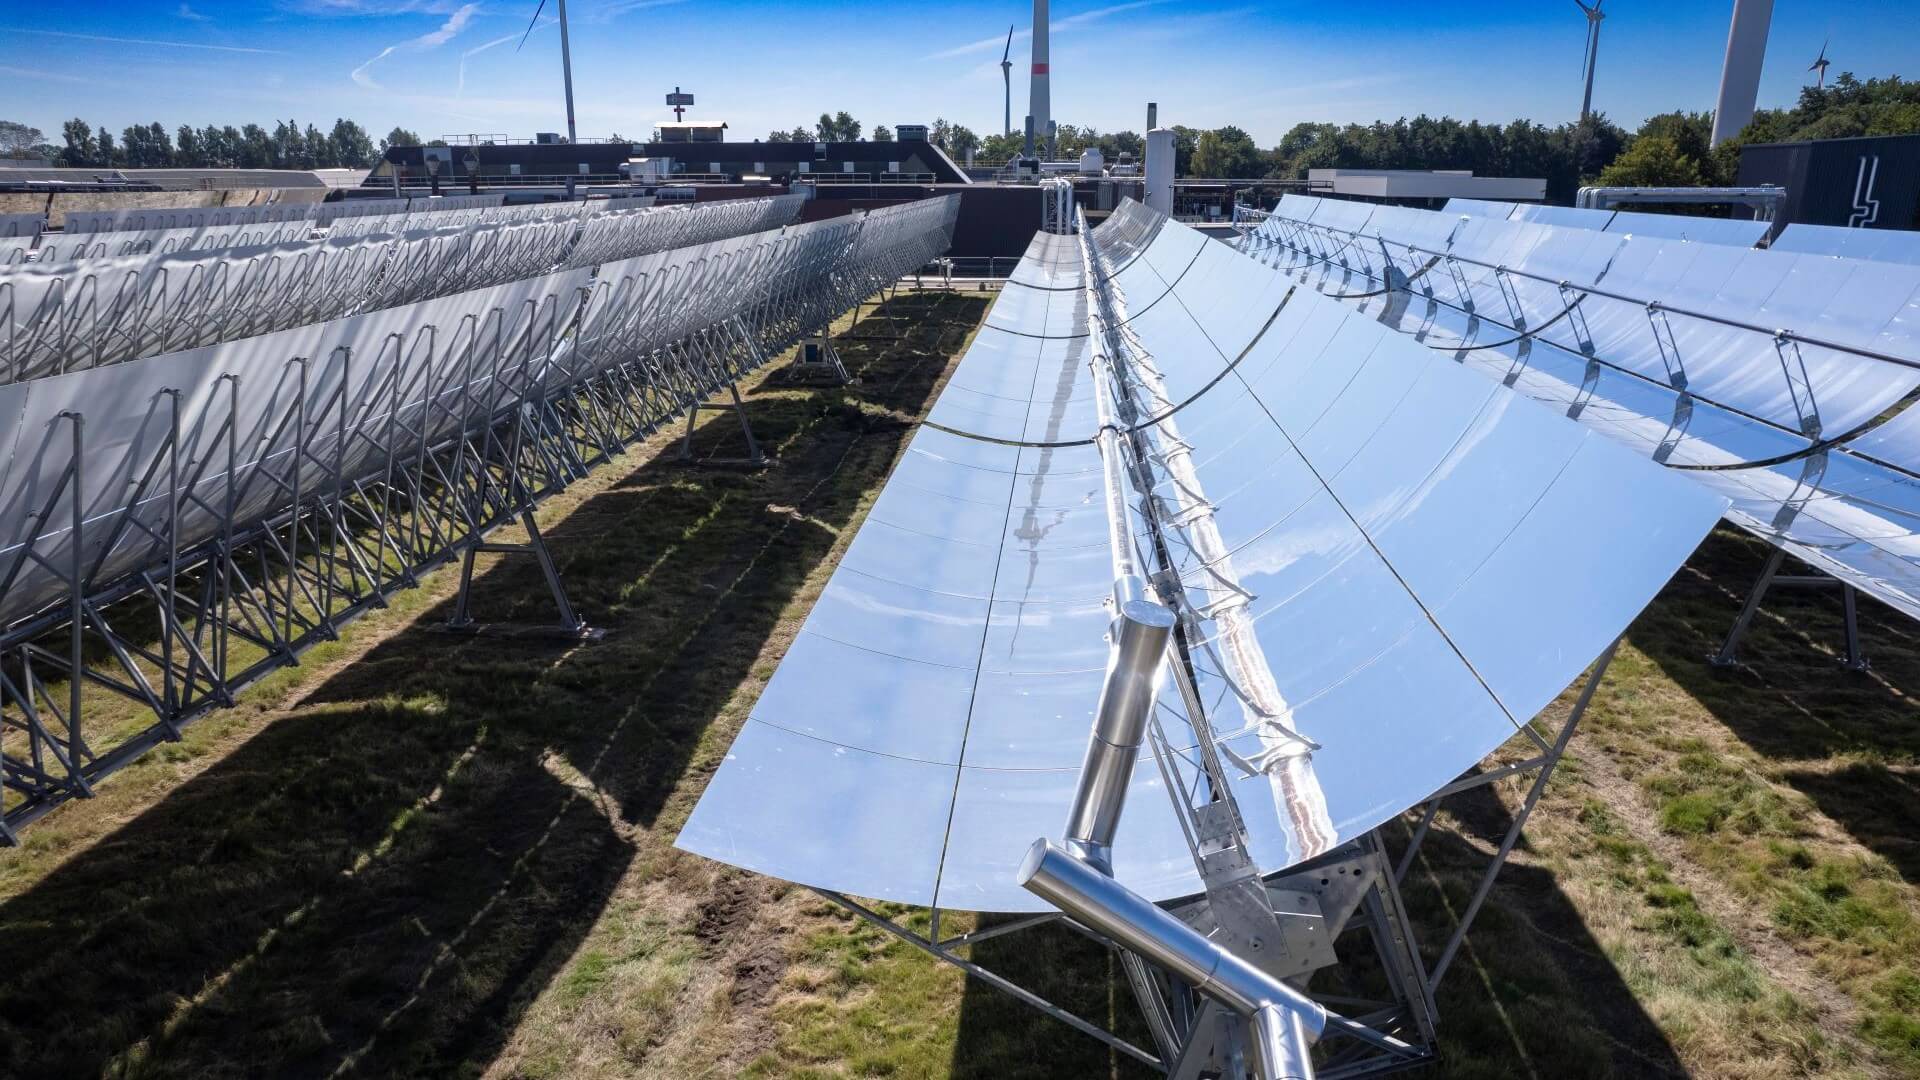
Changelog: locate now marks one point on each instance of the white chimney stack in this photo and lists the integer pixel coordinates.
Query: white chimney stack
(1740, 76)
(1040, 102)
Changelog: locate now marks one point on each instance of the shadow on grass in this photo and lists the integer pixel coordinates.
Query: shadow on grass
(382, 882)
(1532, 993)
(1000, 1037)
(1790, 698)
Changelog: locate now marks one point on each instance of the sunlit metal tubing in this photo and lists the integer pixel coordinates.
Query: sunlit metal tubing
(1283, 1021)
(1140, 633)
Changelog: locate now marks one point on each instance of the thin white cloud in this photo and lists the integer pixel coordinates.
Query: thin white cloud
(460, 84)
(430, 40)
(999, 41)
(50, 76)
(186, 12)
(381, 8)
(613, 9)
(139, 41)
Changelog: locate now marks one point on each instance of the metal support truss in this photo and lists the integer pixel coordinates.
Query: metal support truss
(260, 522)
(1770, 576)
(817, 363)
(1349, 897)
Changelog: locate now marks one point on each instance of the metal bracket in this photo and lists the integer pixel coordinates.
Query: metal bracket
(571, 625)
(754, 459)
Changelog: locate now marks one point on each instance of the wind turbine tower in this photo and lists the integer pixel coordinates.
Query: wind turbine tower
(1740, 76)
(566, 60)
(1594, 15)
(1039, 100)
(1006, 79)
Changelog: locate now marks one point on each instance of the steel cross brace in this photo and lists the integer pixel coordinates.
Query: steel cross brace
(1770, 576)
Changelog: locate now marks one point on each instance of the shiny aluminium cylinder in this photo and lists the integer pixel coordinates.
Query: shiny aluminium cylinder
(1282, 1023)
(1139, 634)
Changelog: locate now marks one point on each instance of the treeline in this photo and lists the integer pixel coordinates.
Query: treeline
(1669, 150)
(150, 146)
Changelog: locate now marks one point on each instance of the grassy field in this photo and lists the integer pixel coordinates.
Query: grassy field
(418, 854)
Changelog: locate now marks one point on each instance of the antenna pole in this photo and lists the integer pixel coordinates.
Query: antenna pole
(566, 71)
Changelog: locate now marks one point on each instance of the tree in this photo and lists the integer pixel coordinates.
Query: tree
(1226, 152)
(882, 133)
(1652, 161)
(1000, 147)
(961, 139)
(254, 148)
(17, 139)
(80, 149)
(351, 147)
(837, 127)
(188, 147)
(319, 149)
(106, 156)
(398, 137)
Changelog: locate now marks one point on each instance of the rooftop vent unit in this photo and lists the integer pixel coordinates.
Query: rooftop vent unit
(547, 138)
(911, 132)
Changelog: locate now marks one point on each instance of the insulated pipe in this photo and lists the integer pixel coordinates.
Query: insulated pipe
(1140, 633)
(1281, 1047)
(1141, 926)
(1160, 155)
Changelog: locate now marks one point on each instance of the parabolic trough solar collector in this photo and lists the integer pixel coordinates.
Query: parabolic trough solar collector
(1394, 563)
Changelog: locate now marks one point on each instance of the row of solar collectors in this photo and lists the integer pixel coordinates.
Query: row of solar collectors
(1781, 380)
(392, 381)
(1669, 226)
(62, 317)
(13, 226)
(1374, 545)
(333, 220)
(1877, 245)
(145, 219)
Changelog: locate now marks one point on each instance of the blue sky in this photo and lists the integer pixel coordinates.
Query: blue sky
(449, 66)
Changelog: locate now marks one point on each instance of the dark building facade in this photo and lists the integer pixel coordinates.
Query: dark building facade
(1866, 183)
(904, 162)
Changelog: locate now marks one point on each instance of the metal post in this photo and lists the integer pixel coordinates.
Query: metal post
(1856, 660)
(76, 741)
(566, 73)
(1725, 657)
(1540, 779)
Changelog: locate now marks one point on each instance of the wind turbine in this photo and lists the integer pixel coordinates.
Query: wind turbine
(1820, 66)
(566, 59)
(1006, 77)
(1594, 15)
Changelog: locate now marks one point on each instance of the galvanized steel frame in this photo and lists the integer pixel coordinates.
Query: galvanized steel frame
(537, 398)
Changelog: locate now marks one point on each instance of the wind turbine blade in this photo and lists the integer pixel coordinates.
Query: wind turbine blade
(1004, 53)
(530, 24)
